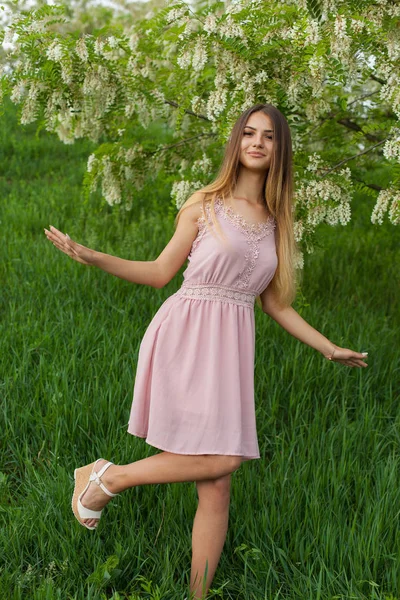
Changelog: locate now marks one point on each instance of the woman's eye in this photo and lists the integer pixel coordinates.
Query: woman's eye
(251, 133)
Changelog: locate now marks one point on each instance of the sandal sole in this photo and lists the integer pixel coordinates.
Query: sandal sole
(81, 477)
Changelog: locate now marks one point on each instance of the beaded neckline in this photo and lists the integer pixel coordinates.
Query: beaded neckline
(237, 218)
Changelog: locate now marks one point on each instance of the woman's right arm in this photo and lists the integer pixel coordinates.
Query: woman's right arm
(155, 273)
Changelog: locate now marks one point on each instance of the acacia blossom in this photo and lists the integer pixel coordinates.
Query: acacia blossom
(106, 86)
(388, 200)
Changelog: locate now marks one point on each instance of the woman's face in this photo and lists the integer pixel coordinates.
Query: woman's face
(258, 137)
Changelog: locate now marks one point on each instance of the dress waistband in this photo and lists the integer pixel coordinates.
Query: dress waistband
(222, 293)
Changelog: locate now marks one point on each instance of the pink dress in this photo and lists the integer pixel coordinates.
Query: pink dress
(194, 386)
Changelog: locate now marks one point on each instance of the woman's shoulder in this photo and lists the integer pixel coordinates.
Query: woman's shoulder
(194, 205)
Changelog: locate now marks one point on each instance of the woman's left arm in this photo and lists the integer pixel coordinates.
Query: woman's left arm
(294, 324)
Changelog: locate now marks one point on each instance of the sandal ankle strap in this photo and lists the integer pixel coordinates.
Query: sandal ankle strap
(96, 477)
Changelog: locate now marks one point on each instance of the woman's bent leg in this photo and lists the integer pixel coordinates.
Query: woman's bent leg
(164, 467)
(209, 532)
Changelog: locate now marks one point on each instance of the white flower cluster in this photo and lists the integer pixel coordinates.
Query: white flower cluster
(100, 89)
(133, 152)
(393, 11)
(31, 105)
(230, 29)
(55, 51)
(176, 14)
(228, 59)
(18, 91)
(98, 46)
(67, 70)
(247, 85)
(298, 228)
(313, 35)
(315, 162)
(386, 197)
(81, 50)
(110, 185)
(216, 103)
(291, 33)
(191, 26)
(261, 77)
(396, 102)
(302, 4)
(133, 40)
(202, 166)
(328, 6)
(130, 172)
(356, 25)
(158, 95)
(318, 196)
(184, 60)
(317, 72)
(109, 48)
(340, 41)
(391, 149)
(84, 116)
(390, 91)
(293, 90)
(55, 105)
(210, 24)
(10, 37)
(200, 55)
(183, 166)
(198, 105)
(393, 45)
(390, 6)
(112, 41)
(180, 191)
(299, 260)
(91, 163)
(235, 7)
(394, 210)
(64, 128)
(340, 26)
(316, 108)
(297, 138)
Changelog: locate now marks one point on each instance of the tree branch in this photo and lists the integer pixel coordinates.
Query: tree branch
(183, 142)
(378, 188)
(356, 127)
(333, 114)
(354, 156)
(188, 112)
(378, 79)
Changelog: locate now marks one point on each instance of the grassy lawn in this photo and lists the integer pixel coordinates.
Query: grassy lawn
(316, 518)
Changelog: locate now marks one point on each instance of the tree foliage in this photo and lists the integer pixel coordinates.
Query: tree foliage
(160, 91)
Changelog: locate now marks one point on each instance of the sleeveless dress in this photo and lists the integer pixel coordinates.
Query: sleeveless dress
(194, 385)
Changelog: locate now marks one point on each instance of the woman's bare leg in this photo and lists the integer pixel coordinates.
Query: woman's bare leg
(164, 467)
(209, 532)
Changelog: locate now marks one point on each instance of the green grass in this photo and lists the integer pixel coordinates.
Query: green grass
(316, 518)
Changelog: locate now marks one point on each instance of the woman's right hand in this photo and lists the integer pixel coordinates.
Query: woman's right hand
(63, 242)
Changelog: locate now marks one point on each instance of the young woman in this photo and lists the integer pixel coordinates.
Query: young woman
(194, 387)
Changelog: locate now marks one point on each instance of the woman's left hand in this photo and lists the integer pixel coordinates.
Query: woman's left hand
(347, 357)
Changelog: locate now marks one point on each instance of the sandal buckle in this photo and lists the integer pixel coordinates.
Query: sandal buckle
(94, 477)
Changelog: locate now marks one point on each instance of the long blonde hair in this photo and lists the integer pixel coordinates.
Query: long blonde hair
(278, 195)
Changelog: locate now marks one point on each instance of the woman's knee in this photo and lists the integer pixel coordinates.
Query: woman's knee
(230, 463)
(235, 462)
(219, 465)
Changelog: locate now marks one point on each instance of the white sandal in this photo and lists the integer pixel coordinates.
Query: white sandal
(81, 476)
